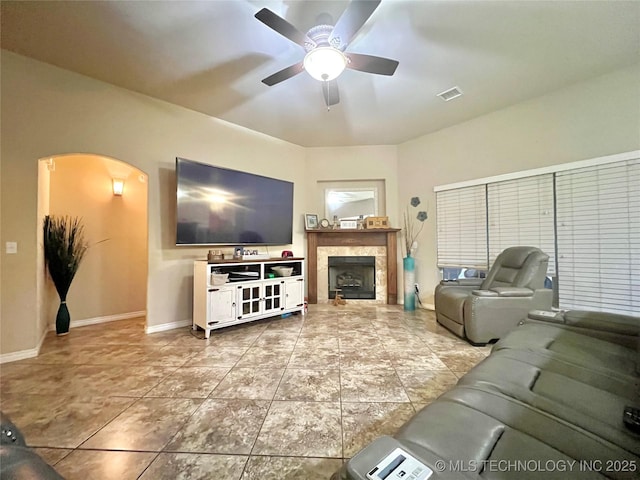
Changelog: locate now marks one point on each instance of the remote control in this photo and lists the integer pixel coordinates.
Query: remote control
(631, 418)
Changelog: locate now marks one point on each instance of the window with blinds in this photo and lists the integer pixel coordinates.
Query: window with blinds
(462, 227)
(521, 212)
(598, 229)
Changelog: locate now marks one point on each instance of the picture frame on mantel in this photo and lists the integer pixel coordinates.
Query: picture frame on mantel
(310, 221)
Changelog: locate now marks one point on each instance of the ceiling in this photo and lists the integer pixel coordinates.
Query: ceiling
(210, 56)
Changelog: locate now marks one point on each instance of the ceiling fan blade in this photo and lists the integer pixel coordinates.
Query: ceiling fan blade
(351, 20)
(283, 27)
(371, 64)
(331, 92)
(283, 74)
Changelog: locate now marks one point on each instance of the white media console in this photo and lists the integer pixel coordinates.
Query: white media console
(252, 291)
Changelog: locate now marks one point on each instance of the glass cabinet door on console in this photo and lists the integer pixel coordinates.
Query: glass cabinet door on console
(273, 292)
(249, 300)
(261, 299)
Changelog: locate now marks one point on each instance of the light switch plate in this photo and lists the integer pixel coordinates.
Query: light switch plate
(12, 247)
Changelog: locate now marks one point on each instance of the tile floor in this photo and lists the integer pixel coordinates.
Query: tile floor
(274, 399)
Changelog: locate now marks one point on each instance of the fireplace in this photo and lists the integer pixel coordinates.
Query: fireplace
(379, 243)
(353, 276)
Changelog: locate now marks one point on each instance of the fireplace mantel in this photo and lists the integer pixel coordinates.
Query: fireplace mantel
(383, 237)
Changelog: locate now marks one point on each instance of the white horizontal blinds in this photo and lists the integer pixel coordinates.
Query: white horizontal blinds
(599, 237)
(462, 227)
(521, 212)
(634, 232)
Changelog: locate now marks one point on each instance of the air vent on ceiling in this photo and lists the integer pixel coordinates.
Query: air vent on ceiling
(450, 94)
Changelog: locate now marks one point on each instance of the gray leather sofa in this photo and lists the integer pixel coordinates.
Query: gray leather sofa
(17, 460)
(547, 403)
(485, 310)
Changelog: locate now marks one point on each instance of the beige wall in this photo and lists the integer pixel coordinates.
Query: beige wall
(48, 111)
(112, 279)
(587, 120)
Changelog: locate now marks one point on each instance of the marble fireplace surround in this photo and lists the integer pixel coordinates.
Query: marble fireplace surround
(379, 243)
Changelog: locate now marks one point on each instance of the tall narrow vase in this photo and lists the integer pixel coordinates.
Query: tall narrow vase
(63, 319)
(409, 267)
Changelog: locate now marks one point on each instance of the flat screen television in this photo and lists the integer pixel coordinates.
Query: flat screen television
(219, 206)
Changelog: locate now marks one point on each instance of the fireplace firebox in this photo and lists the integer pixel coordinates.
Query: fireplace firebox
(353, 276)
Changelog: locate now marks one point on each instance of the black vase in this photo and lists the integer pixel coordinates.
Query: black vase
(63, 319)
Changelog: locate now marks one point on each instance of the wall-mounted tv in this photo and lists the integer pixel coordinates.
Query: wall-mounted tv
(219, 206)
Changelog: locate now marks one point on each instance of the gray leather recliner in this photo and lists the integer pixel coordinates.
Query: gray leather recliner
(484, 310)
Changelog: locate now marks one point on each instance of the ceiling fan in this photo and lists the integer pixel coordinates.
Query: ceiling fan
(325, 45)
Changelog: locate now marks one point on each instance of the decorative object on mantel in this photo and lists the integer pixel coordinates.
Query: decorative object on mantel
(64, 248)
(411, 244)
(348, 224)
(376, 222)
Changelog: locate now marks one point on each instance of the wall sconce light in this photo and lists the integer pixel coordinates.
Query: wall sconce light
(118, 186)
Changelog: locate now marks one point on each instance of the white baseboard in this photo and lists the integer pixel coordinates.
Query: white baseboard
(33, 352)
(20, 355)
(105, 319)
(167, 326)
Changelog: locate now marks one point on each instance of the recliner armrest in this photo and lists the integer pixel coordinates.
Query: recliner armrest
(504, 292)
(513, 291)
(462, 282)
(485, 293)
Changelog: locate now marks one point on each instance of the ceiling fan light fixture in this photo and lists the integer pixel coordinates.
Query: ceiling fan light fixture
(325, 63)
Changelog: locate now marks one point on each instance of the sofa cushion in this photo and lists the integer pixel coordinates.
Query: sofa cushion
(560, 396)
(572, 347)
(620, 384)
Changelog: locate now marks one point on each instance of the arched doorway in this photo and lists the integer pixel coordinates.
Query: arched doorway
(111, 283)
